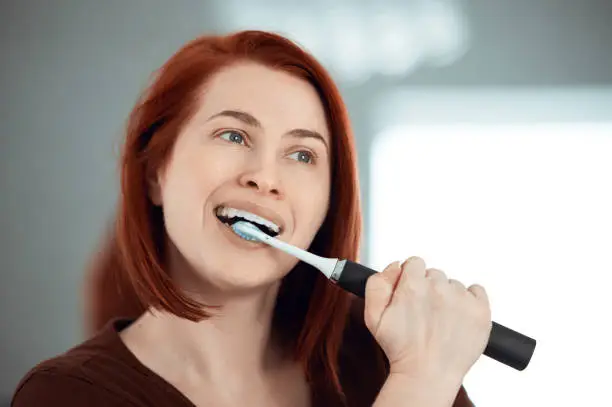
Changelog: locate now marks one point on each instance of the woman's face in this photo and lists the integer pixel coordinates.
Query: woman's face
(258, 144)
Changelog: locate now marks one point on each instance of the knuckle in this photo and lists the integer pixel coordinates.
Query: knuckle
(440, 288)
(391, 267)
(457, 284)
(411, 288)
(415, 261)
(435, 274)
(479, 292)
(478, 287)
(405, 287)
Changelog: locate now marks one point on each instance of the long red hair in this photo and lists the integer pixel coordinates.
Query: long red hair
(128, 274)
(313, 316)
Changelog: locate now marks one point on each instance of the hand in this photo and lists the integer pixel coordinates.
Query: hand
(427, 325)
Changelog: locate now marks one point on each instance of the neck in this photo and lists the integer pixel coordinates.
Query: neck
(235, 342)
(233, 352)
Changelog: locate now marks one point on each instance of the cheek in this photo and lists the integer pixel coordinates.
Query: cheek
(191, 178)
(311, 200)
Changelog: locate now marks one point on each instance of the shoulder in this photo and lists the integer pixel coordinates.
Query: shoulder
(61, 381)
(84, 375)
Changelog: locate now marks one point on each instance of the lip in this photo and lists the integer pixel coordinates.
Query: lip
(258, 210)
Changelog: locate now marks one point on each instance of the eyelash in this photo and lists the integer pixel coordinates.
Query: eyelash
(313, 157)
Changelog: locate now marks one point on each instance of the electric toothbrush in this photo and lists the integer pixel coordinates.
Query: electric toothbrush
(505, 345)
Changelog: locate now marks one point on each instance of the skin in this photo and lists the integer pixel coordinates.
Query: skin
(220, 158)
(277, 160)
(430, 327)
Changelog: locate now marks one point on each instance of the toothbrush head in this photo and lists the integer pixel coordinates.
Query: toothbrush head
(247, 231)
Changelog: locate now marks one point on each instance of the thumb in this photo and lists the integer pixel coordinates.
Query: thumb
(378, 293)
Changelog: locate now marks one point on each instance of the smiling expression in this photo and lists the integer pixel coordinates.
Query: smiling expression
(258, 142)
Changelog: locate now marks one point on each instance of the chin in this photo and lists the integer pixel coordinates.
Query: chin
(230, 275)
(221, 261)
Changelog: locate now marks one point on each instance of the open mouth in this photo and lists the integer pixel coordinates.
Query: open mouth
(229, 216)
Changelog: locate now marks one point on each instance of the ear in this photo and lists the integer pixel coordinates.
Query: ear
(154, 187)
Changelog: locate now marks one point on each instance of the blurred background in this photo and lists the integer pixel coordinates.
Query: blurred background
(484, 132)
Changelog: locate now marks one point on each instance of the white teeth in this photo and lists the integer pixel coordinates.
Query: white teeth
(232, 213)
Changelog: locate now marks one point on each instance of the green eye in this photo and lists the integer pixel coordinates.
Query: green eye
(232, 137)
(303, 156)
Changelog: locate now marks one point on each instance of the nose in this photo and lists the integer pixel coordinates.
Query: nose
(263, 180)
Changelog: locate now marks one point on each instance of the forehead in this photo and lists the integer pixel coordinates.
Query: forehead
(277, 99)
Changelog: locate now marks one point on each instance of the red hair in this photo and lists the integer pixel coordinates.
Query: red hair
(128, 275)
(311, 314)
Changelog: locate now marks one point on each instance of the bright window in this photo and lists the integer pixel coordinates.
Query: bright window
(526, 211)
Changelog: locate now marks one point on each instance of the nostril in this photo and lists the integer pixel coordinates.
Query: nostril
(262, 187)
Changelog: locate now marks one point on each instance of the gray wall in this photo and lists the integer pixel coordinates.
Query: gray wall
(71, 71)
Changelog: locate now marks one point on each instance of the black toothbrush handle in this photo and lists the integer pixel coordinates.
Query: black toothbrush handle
(505, 345)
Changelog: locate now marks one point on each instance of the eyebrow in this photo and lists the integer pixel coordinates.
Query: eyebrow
(250, 120)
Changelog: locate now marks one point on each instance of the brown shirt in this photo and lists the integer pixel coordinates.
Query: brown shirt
(102, 372)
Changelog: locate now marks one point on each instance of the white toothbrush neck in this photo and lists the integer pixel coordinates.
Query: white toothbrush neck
(324, 264)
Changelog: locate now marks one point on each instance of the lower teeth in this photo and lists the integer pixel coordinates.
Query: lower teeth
(231, 221)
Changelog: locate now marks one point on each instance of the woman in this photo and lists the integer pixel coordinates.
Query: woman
(187, 313)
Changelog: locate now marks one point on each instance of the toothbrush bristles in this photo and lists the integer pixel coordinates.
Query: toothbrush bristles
(242, 229)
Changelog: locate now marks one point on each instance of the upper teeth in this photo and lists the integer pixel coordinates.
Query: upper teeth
(232, 213)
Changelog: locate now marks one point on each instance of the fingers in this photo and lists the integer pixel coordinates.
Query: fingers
(414, 267)
(439, 278)
(458, 285)
(479, 292)
(435, 275)
(417, 277)
(410, 279)
(378, 293)
(420, 317)
(391, 274)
